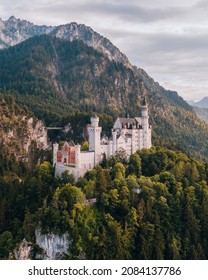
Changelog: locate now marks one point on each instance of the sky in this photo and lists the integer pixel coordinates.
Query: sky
(168, 39)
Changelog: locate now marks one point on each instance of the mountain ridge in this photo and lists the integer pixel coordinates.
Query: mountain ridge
(203, 103)
(14, 31)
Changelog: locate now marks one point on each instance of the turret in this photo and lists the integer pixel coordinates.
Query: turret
(77, 156)
(94, 138)
(94, 121)
(145, 126)
(114, 134)
(55, 150)
(144, 108)
(145, 117)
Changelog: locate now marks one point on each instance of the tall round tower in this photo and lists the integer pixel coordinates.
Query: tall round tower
(145, 126)
(77, 156)
(94, 138)
(114, 148)
(55, 151)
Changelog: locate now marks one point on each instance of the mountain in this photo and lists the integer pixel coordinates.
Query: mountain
(59, 75)
(201, 108)
(55, 78)
(13, 31)
(203, 103)
(191, 102)
(202, 113)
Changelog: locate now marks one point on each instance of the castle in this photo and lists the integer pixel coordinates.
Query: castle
(128, 134)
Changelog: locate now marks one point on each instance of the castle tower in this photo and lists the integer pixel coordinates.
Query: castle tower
(145, 126)
(114, 146)
(77, 156)
(94, 138)
(55, 150)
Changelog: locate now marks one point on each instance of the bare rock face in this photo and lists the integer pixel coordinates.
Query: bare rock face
(24, 251)
(54, 246)
(74, 31)
(37, 133)
(19, 130)
(47, 247)
(14, 31)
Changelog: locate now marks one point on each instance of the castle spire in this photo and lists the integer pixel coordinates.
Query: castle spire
(144, 102)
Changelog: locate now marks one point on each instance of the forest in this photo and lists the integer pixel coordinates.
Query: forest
(153, 205)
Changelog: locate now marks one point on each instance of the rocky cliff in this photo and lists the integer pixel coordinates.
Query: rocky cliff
(48, 246)
(14, 31)
(54, 246)
(24, 251)
(19, 129)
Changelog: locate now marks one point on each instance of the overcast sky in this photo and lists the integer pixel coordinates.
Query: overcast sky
(168, 39)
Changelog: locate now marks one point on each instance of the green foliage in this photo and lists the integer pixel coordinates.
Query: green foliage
(134, 166)
(6, 244)
(85, 146)
(151, 206)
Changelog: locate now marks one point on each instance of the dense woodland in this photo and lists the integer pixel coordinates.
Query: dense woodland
(152, 206)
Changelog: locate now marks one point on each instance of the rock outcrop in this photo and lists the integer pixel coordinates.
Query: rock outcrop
(24, 251)
(54, 246)
(19, 130)
(14, 31)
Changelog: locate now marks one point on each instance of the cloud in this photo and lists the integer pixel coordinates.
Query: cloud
(179, 62)
(123, 10)
(203, 4)
(128, 11)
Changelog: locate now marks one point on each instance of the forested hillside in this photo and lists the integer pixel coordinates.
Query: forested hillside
(57, 79)
(52, 75)
(153, 206)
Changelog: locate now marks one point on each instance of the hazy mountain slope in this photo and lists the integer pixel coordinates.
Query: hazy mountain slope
(203, 103)
(201, 108)
(54, 78)
(202, 113)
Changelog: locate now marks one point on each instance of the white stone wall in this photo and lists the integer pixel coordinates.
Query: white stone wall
(106, 149)
(76, 172)
(130, 140)
(87, 160)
